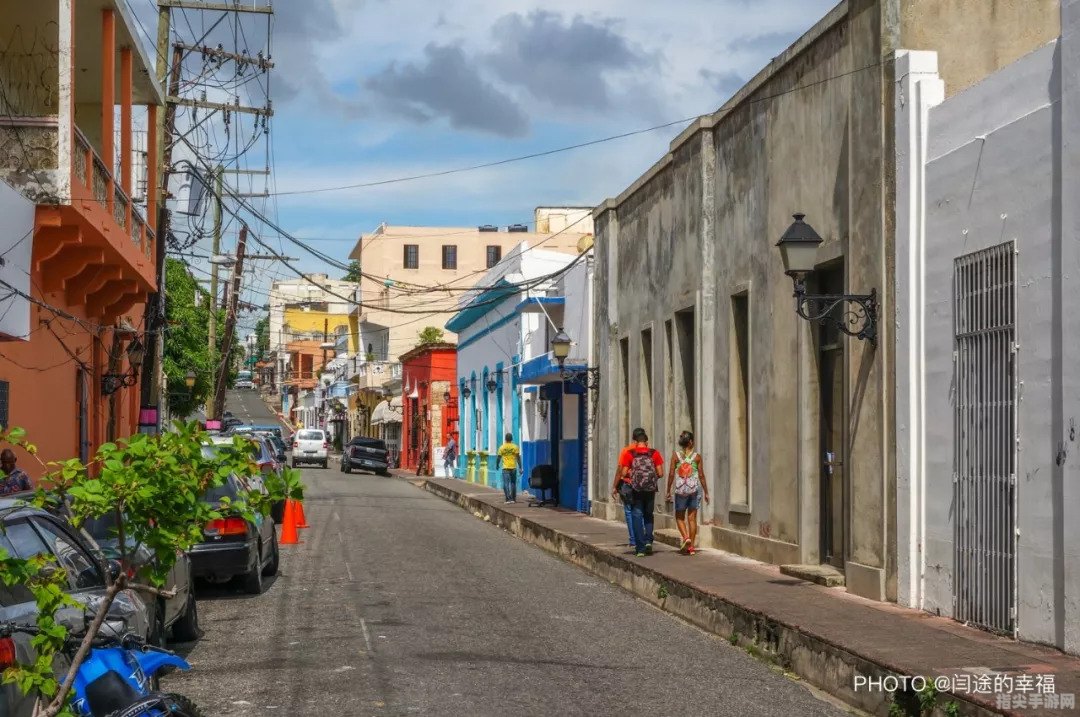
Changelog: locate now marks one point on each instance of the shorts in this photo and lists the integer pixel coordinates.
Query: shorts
(687, 502)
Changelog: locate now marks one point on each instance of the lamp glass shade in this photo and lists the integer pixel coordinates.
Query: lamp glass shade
(135, 353)
(491, 385)
(446, 397)
(560, 345)
(189, 379)
(798, 247)
(466, 392)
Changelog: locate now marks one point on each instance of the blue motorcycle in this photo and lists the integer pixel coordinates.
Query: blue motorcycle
(117, 678)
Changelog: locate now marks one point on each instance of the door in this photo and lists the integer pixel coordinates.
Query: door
(833, 485)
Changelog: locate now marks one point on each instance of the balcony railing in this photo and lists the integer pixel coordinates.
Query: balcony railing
(89, 170)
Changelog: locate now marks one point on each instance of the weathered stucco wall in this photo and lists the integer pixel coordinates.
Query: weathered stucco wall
(974, 38)
(805, 135)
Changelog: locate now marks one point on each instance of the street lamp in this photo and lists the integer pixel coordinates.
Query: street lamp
(466, 392)
(446, 398)
(113, 382)
(492, 384)
(560, 349)
(560, 346)
(189, 379)
(798, 250)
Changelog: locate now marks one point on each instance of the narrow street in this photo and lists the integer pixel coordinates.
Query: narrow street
(400, 603)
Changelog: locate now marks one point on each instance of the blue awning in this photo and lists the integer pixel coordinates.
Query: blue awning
(481, 305)
(545, 369)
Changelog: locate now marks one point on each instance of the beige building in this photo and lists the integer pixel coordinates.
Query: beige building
(696, 326)
(402, 263)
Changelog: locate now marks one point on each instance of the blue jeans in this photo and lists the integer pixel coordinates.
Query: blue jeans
(642, 510)
(510, 483)
(628, 509)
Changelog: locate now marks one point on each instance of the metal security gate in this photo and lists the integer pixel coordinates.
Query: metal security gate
(984, 478)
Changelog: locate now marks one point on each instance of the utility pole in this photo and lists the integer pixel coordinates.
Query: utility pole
(230, 327)
(212, 330)
(318, 381)
(152, 388)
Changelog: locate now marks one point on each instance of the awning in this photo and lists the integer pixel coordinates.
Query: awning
(387, 411)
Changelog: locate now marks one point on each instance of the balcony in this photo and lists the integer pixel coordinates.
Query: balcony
(377, 375)
(67, 144)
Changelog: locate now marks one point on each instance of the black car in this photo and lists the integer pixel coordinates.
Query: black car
(233, 547)
(368, 454)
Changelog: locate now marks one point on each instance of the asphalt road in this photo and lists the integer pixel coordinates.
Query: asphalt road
(398, 603)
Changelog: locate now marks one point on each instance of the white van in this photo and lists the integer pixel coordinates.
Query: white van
(310, 445)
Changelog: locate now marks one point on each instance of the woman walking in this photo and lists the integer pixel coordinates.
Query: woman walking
(687, 476)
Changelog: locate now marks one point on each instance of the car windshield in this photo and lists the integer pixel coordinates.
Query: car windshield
(309, 436)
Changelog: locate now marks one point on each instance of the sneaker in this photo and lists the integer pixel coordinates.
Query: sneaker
(648, 548)
(691, 550)
(639, 555)
(683, 548)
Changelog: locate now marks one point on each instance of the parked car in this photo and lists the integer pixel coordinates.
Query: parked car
(28, 532)
(232, 546)
(369, 454)
(271, 463)
(310, 445)
(231, 423)
(178, 613)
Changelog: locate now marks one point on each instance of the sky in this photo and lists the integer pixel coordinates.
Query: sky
(371, 90)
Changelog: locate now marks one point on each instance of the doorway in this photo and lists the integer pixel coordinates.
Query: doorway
(833, 413)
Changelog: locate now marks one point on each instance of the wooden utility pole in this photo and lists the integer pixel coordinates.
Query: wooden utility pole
(212, 329)
(230, 327)
(153, 388)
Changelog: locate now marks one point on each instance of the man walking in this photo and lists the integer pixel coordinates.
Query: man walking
(14, 480)
(643, 467)
(621, 491)
(450, 457)
(509, 455)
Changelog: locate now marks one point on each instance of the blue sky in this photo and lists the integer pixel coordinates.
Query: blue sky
(368, 90)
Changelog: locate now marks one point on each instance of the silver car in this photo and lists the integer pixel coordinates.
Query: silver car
(27, 532)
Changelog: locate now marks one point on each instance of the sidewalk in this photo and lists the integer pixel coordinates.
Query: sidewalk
(824, 635)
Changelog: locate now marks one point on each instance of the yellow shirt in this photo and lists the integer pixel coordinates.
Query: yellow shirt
(509, 454)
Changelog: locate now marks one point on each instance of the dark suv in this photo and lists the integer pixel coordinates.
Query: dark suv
(368, 454)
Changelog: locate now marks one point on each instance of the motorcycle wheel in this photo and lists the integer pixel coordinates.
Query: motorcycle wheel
(183, 707)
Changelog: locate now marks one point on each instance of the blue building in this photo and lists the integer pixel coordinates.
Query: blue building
(508, 378)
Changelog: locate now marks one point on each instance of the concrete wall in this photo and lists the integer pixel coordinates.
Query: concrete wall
(975, 38)
(699, 228)
(16, 242)
(997, 166)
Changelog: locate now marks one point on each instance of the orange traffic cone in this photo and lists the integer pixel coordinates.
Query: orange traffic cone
(301, 519)
(289, 536)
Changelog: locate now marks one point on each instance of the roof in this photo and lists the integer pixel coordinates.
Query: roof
(480, 305)
(426, 348)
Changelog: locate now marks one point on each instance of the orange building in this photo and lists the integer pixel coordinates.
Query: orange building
(306, 361)
(429, 401)
(79, 257)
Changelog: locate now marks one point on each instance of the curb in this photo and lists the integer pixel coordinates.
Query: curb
(796, 650)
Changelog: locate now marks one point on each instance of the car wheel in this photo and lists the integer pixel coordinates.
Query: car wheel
(156, 636)
(345, 467)
(326, 464)
(186, 629)
(384, 474)
(253, 582)
(271, 568)
(292, 463)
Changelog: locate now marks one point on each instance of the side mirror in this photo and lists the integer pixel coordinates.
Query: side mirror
(114, 570)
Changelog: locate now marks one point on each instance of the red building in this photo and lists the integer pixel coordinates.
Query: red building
(429, 401)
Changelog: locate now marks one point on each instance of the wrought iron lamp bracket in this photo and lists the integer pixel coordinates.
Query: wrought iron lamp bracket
(589, 378)
(857, 317)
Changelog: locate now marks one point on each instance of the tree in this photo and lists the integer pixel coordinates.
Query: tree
(431, 335)
(187, 339)
(262, 338)
(353, 274)
(154, 485)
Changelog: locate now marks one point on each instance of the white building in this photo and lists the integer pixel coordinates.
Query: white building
(988, 386)
(507, 379)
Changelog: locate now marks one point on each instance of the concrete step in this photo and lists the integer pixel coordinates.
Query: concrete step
(825, 575)
(668, 537)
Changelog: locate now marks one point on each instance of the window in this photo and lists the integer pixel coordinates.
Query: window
(494, 255)
(739, 400)
(82, 571)
(449, 256)
(624, 371)
(646, 381)
(412, 256)
(686, 372)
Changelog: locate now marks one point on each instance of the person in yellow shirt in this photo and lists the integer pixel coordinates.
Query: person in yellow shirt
(509, 457)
